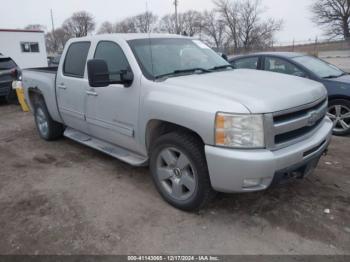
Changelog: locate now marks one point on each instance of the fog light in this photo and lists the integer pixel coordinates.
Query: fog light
(252, 182)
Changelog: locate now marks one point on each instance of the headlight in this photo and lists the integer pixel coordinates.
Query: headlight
(239, 131)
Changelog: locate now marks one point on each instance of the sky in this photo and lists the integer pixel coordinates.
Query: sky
(19, 13)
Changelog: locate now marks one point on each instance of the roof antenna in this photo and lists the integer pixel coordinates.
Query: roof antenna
(148, 27)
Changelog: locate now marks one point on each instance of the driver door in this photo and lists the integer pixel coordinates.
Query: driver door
(112, 111)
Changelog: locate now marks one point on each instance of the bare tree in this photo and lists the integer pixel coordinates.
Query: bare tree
(167, 24)
(214, 29)
(142, 23)
(125, 26)
(229, 11)
(106, 28)
(246, 27)
(334, 16)
(35, 27)
(55, 41)
(145, 22)
(79, 24)
(189, 23)
(252, 31)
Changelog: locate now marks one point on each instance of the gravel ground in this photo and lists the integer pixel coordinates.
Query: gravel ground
(64, 198)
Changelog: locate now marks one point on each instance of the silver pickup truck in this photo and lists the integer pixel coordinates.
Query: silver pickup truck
(172, 103)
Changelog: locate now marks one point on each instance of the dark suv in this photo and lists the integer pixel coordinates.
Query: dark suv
(8, 70)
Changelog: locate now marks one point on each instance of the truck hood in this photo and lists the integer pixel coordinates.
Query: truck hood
(258, 91)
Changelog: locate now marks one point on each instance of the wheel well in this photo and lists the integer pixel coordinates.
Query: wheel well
(34, 96)
(157, 128)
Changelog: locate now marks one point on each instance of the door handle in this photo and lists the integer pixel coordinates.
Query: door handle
(62, 86)
(91, 93)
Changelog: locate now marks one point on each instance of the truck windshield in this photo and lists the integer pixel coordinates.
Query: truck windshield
(6, 64)
(168, 57)
(319, 67)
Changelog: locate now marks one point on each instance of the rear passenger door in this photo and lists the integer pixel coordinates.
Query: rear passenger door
(71, 85)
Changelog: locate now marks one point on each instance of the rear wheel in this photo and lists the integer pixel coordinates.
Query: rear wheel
(339, 113)
(48, 128)
(180, 172)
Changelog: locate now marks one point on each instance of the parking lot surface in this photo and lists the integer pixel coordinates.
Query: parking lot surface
(64, 198)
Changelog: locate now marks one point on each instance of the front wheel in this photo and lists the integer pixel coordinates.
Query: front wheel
(180, 172)
(339, 113)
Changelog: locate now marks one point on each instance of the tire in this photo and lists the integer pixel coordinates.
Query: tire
(48, 129)
(339, 113)
(185, 186)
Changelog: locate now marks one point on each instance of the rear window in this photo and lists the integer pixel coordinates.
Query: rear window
(7, 63)
(74, 64)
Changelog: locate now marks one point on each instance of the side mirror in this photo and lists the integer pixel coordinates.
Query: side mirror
(224, 56)
(98, 73)
(126, 78)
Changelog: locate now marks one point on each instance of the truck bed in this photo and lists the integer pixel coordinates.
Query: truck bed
(42, 80)
(50, 70)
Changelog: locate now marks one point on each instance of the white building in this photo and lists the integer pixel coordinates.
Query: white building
(26, 47)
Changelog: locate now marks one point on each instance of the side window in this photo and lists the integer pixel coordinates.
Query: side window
(30, 47)
(248, 63)
(114, 56)
(74, 63)
(278, 65)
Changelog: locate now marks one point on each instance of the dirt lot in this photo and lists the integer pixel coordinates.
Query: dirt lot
(64, 198)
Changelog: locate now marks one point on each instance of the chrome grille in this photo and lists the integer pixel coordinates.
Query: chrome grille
(292, 125)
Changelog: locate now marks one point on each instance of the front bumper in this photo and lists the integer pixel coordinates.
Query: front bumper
(5, 88)
(230, 168)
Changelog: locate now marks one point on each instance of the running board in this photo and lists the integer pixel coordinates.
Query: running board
(112, 150)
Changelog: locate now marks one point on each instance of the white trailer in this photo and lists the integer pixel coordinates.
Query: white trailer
(26, 47)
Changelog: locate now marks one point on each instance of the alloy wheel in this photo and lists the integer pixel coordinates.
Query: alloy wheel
(176, 174)
(340, 115)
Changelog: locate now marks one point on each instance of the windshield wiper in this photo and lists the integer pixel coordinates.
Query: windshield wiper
(335, 76)
(183, 71)
(221, 67)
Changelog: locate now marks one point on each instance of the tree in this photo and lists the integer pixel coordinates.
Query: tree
(214, 29)
(229, 12)
(35, 27)
(189, 23)
(334, 16)
(141, 23)
(167, 24)
(145, 22)
(125, 26)
(55, 41)
(246, 27)
(106, 28)
(79, 24)
(252, 31)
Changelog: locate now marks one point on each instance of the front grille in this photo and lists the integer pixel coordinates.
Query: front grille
(291, 125)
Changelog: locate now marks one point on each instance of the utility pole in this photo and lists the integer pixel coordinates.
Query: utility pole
(52, 23)
(53, 31)
(176, 3)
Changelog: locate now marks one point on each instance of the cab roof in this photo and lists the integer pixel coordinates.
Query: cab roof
(131, 36)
